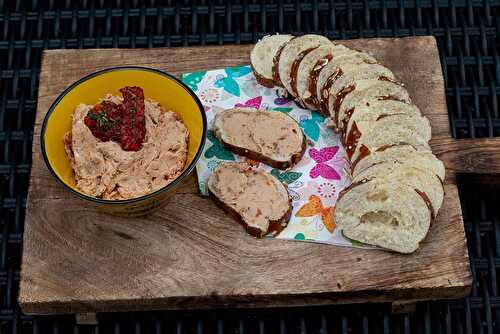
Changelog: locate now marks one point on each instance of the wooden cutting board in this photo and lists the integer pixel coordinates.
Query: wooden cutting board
(191, 255)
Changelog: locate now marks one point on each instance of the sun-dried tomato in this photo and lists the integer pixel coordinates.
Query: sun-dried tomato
(104, 120)
(133, 126)
(122, 123)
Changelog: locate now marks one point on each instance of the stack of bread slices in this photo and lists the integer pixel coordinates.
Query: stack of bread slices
(397, 185)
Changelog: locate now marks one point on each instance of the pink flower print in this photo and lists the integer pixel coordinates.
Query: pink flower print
(210, 95)
(252, 103)
(326, 163)
(327, 191)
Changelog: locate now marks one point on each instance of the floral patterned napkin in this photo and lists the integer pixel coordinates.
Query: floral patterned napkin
(314, 183)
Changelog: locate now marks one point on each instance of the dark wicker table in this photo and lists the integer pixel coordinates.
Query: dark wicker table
(468, 34)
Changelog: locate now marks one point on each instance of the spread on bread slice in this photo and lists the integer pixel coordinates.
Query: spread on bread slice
(271, 137)
(262, 55)
(255, 198)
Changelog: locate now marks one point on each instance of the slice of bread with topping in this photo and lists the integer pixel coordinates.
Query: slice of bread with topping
(262, 55)
(255, 198)
(292, 54)
(271, 137)
(391, 215)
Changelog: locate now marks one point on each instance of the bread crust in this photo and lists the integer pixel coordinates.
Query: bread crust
(262, 80)
(275, 226)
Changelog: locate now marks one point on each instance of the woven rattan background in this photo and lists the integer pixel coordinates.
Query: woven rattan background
(468, 34)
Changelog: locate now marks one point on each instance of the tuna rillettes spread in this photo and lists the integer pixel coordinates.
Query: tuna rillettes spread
(125, 147)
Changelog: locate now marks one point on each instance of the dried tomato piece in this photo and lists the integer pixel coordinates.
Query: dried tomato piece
(133, 122)
(122, 123)
(104, 121)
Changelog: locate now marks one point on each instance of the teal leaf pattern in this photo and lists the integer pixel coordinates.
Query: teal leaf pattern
(311, 125)
(300, 236)
(282, 109)
(286, 177)
(236, 72)
(229, 85)
(217, 150)
(193, 79)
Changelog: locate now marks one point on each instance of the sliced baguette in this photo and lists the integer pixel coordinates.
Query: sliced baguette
(332, 72)
(411, 129)
(307, 72)
(424, 180)
(363, 71)
(372, 110)
(415, 156)
(258, 200)
(391, 215)
(364, 91)
(262, 55)
(290, 54)
(273, 138)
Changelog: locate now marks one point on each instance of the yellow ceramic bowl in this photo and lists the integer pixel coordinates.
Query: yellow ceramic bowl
(170, 92)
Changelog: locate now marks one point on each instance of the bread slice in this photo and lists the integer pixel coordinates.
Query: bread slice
(363, 71)
(409, 155)
(394, 129)
(332, 72)
(352, 78)
(428, 183)
(292, 52)
(372, 110)
(262, 56)
(391, 215)
(273, 138)
(364, 91)
(307, 72)
(255, 198)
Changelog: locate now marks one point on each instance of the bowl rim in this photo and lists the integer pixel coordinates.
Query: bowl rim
(87, 77)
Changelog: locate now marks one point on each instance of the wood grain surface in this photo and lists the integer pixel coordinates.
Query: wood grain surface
(190, 254)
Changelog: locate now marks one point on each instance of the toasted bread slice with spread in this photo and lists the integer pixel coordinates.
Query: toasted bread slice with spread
(258, 200)
(271, 137)
(262, 55)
